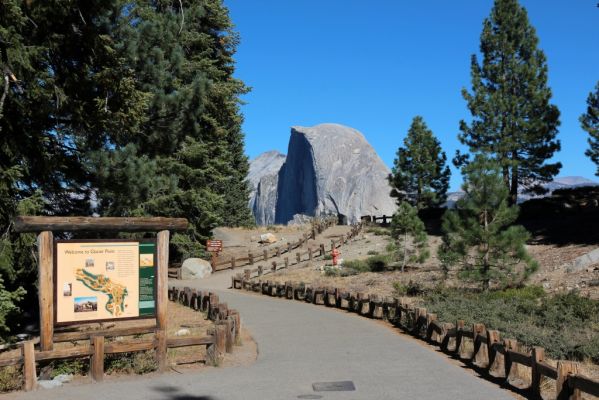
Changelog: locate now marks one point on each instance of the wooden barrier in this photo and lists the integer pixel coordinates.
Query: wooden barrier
(491, 356)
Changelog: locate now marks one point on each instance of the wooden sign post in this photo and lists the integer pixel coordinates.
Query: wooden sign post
(214, 247)
(47, 259)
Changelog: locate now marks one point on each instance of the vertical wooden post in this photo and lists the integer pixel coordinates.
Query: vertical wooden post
(495, 358)
(459, 327)
(97, 359)
(481, 358)
(161, 296)
(298, 257)
(247, 274)
(538, 355)
(563, 391)
(232, 262)
(274, 266)
(229, 333)
(278, 251)
(45, 246)
(310, 253)
(221, 339)
(321, 249)
(251, 258)
(286, 259)
(510, 367)
(332, 245)
(289, 247)
(265, 254)
(29, 365)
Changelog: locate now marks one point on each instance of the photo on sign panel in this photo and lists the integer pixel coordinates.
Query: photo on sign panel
(86, 304)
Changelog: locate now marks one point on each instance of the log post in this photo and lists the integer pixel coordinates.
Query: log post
(332, 245)
(232, 262)
(510, 368)
(563, 390)
(310, 253)
(247, 274)
(459, 327)
(286, 259)
(259, 270)
(538, 355)
(289, 248)
(430, 332)
(298, 257)
(495, 358)
(251, 258)
(45, 246)
(265, 254)
(97, 358)
(321, 249)
(162, 242)
(229, 333)
(221, 339)
(480, 356)
(29, 375)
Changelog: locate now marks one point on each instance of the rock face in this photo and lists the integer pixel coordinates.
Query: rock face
(330, 170)
(195, 268)
(263, 178)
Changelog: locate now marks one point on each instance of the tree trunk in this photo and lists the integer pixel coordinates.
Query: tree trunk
(405, 252)
(513, 199)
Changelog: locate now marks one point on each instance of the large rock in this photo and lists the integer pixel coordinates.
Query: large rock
(263, 178)
(332, 169)
(195, 268)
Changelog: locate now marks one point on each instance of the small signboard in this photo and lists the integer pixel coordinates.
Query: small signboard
(103, 280)
(214, 246)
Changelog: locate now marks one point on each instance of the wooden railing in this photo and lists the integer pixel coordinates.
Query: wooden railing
(492, 357)
(219, 339)
(222, 263)
(300, 256)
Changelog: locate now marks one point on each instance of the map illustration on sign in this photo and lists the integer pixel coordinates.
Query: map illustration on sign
(99, 283)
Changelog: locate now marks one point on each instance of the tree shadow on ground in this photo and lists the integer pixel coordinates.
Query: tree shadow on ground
(174, 393)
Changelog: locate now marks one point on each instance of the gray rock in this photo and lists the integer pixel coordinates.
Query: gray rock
(300, 219)
(195, 268)
(64, 378)
(183, 332)
(263, 178)
(584, 261)
(45, 384)
(332, 169)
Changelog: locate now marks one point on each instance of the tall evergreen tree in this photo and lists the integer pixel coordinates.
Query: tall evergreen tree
(513, 120)
(420, 175)
(479, 235)
(411, 237)
(590, 123)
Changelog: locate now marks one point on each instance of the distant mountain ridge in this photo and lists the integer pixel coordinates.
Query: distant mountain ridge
(561, 182)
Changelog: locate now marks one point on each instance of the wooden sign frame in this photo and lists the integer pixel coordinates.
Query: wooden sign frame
(47, 225)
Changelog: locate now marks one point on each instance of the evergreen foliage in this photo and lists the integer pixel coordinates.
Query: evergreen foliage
(590, 123)
(478, 234)
(411, 236)
(513, 120)
(420, 175)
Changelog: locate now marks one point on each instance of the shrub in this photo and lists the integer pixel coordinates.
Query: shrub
(11, 378)
(566, 325)
(138, 363)
(377, 231)
(411, 289)
(76, 366)
(372, 252)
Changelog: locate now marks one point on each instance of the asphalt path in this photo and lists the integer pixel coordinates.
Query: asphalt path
(300, 344)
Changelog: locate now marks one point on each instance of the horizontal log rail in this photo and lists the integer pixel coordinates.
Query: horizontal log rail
(113, 224)
(417, 321)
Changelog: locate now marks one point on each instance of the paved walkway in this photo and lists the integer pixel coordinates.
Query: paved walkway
(300, 344)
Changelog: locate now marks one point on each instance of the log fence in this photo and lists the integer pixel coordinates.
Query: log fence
(252, 258)
(301, 256)
(491, 356)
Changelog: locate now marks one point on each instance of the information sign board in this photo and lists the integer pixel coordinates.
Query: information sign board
(103, 280)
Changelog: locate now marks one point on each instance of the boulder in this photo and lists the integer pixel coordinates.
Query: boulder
(195, 268)
(581, 263)
(268, 238)
(183, 332)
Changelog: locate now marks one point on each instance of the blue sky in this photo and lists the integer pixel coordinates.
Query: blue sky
(374, 65)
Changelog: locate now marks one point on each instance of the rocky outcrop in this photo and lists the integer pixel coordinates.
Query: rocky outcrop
(263, 178)
(330, 170)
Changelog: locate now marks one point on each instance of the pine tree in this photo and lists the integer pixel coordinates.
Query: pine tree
(590, 123)
(513, 120)
(411, 236)
(479, 236)
(420, 175)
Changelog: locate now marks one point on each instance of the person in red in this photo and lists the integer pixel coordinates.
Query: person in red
(335, 253)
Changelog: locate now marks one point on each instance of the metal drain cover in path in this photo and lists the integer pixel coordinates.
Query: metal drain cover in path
(341, 386)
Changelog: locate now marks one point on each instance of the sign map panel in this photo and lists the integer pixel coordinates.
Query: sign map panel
(101, 280)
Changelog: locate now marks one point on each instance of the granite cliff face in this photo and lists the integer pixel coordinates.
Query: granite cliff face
(329, 169)
(263, 179)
